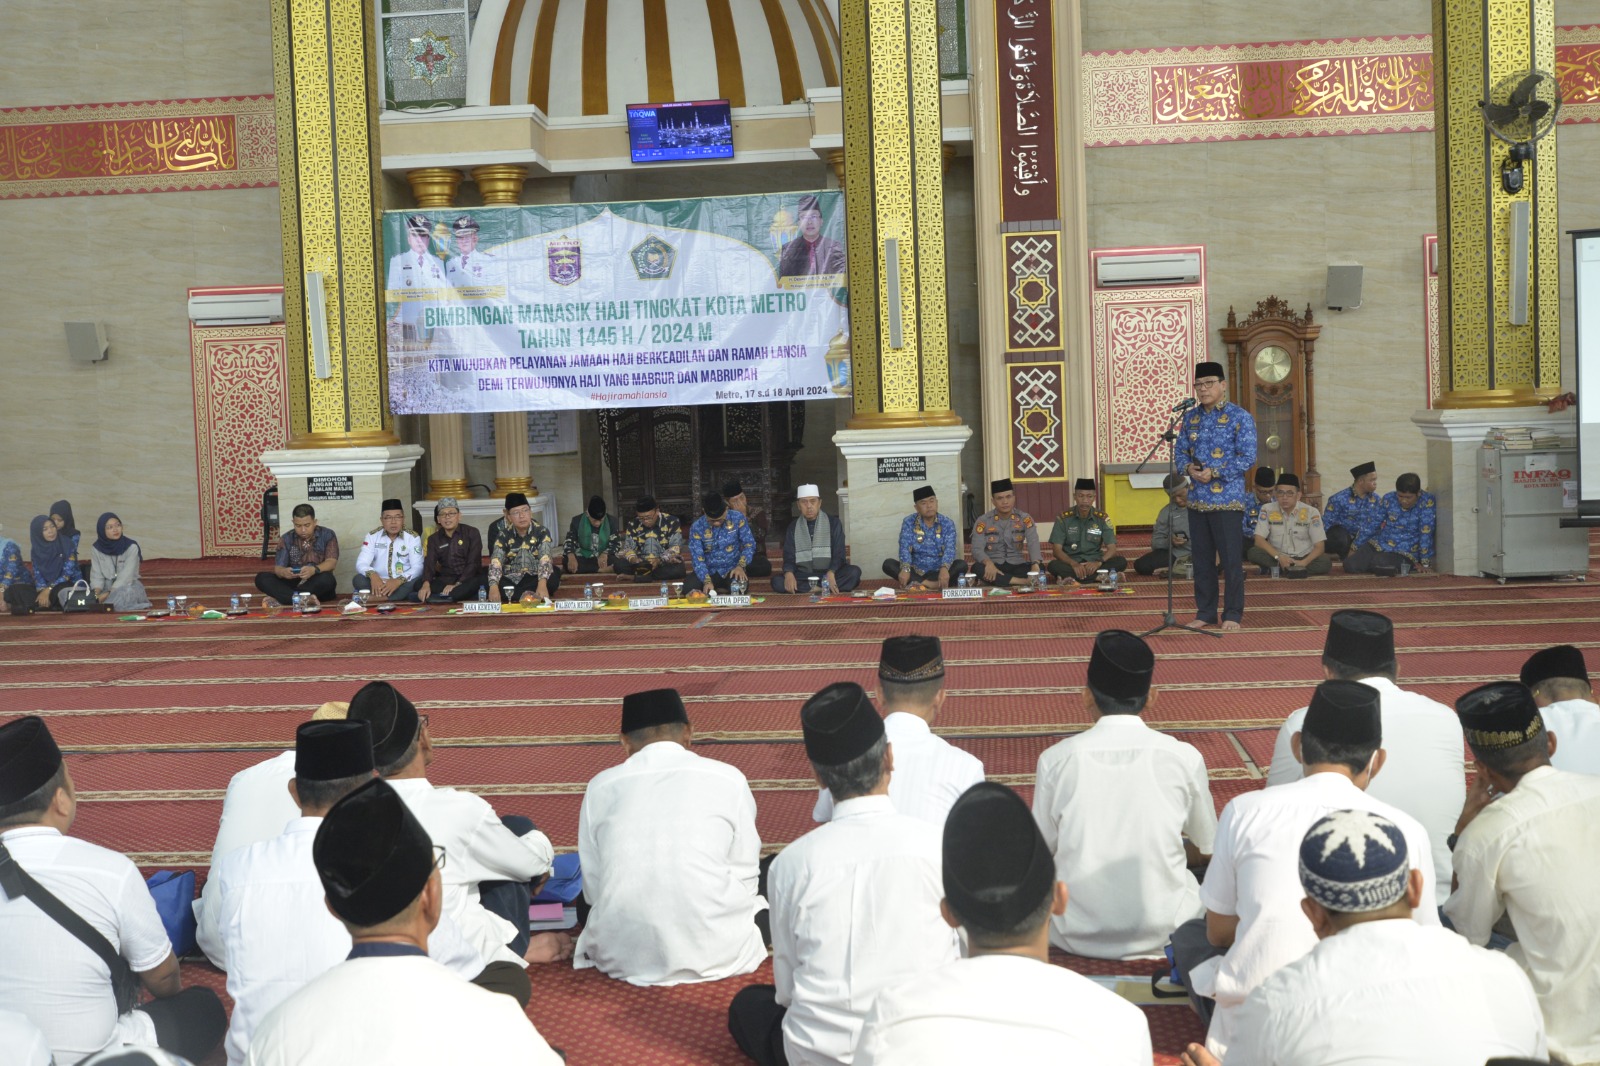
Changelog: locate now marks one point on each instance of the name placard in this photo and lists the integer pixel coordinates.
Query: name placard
(577, 605)
(961, 594)
(480, 607)
(730, 601)
(645, 603)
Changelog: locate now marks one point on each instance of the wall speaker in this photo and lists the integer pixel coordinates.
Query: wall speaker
(1344, 286)
(86, 341)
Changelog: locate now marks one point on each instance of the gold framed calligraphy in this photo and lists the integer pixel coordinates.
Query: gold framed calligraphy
(156, 146)
(1025, 109)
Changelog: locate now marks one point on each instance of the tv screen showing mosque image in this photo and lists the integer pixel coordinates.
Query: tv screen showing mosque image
(690, 129)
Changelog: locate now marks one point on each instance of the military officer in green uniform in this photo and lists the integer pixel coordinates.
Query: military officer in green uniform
(1084, 540)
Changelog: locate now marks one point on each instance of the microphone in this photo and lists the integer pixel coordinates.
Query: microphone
(1185, 405)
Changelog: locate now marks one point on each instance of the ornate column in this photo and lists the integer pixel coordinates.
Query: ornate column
(894, 211)
(501, 186)
(343, 455)
(435, 187)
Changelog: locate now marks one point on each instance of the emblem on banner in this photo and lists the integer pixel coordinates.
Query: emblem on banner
(564, 258)
(653, 259)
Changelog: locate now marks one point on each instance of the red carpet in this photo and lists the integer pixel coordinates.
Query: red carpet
(156, 715)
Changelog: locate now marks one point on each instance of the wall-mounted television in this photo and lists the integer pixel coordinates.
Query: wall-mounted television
(687, 129)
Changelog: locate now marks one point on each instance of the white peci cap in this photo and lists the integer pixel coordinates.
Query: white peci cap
(805, 491)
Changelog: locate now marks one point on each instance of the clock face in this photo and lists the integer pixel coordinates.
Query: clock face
(1272, 364)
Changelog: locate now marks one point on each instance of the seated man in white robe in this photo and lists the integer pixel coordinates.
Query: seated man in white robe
(495, 861)
(1378, 987)
(267, 925)
(670, 857)
(1126, 811)
(1559, 678)
(930, 773)
(388, 1004)
(1004, 1003)
(855, 903)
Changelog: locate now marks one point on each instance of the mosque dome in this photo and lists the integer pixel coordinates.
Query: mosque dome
(576, 58)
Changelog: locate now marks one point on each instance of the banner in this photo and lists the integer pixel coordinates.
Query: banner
(731, 299)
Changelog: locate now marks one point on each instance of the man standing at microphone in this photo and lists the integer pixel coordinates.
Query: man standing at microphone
(1216, 447)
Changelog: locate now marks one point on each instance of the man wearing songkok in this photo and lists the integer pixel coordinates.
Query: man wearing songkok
(1262, 483)
(651, 545)
(929, 545)
(720, 546)
(1004, 1002)
(1216, 447)
(1289, 534)
(1126, 810)
(307, 556)
(1527, 847)
(670, 857)
(1083, 540)
(813, 547)
(1378, 987)
(1424, 773)
(267, 925)
(388, 1003)
(390, 562)
(1005, 542)
(930, 773)
(49, 973)
(1559, 679)
(520, 556)
(493, 859)
(452, 558)
(733, 494)
(855, 903)
(1352, 516)
(591, 540)
(257, 806)
(1410, 517)
(1169, 540)
(1253, 923)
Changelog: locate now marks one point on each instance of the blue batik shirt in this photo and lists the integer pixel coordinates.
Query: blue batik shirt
(1361, 515)
(1222, 440)
(10, 564)
(1408, 533)
(926, 548)
(718, 549)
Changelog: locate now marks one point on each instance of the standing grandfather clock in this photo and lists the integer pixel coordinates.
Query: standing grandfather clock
(1269, 375)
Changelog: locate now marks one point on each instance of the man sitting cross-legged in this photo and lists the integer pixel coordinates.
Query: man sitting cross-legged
(1004, 1002)
(813, 547)
(650, 547)
(670, 857)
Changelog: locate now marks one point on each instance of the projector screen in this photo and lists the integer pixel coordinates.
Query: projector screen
(1586, 311)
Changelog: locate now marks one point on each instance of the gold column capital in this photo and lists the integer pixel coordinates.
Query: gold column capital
(500, 183)
(435, 186)
(835, 159)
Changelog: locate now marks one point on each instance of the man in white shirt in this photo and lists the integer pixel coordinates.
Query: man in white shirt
(493, 860)
(470, 268)
(1252, 889)
(930, 773)
(1126, 811)
(1424, 772)
(256, 807)
(1004, 1003)
(390, 563)
(388, 1004)
(1559, 678)
(670, 857)
(47, 972)
(1378, 987)
(1528, 848)
(855, 903)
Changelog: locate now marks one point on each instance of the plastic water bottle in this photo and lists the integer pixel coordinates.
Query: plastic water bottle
(234, 603)
(664, 590)
(172, 605)
(483, 593)
(588, 591)
(1405, 567)
(1275, 570)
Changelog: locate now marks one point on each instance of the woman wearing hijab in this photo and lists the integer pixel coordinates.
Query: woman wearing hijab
(54, 568)
(61, 515)
(114, 567)
(13, 576)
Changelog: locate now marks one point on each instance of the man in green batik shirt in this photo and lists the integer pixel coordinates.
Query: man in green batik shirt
(1084, 540)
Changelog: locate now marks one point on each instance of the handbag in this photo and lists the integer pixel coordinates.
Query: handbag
(15, 881)
(77, 598)
(20, 597)
(173, 892)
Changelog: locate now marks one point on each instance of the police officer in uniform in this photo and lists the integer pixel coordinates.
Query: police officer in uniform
(1289, 534)
(1084, 540)
(1005, 541)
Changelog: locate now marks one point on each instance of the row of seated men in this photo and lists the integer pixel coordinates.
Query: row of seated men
(1329, 923)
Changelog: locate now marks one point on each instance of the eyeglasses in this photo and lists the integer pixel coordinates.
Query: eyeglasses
(422, 721)
(439, 856)
(1207, 383)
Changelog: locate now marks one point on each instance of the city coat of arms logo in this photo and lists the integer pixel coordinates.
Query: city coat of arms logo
(564, 259)
(653, 259)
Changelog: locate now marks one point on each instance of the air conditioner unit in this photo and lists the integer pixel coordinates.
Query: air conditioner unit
(236, 308)
(1155, 268)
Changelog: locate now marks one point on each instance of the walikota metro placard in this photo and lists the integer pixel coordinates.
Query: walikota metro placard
(720, 300)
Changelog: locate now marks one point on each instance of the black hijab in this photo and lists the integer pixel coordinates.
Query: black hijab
(49, 557)
(110, 547)
(64, 509)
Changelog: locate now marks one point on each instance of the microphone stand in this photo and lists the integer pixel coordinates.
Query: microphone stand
(1168, 619)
